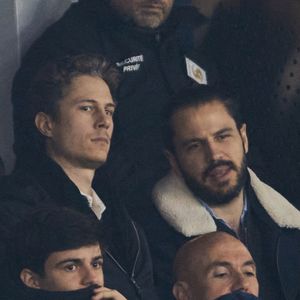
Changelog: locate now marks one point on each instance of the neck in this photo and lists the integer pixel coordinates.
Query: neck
(80, 176)
(231, 212)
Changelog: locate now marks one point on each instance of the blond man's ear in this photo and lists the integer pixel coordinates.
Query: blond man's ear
(30, 278)
(181, 291)
(44, 124)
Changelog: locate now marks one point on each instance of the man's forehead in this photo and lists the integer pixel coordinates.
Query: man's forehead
(210, 107)
(208, 117)
(231, 263)
(87, 87)
(82, 252)
(229, 252)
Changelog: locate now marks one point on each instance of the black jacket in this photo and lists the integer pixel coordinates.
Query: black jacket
(127, 263)
(25, 293)
(272, 234)
(157, 60)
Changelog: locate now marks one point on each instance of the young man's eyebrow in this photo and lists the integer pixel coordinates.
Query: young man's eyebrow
(76, 260)
(224, 130)
(68, 260)
(93, 101)
(81, 100)
(99, 257)
(113, 105)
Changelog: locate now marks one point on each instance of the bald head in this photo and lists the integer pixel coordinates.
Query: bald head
(213, 265)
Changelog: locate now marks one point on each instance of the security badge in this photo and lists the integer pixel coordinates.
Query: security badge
(195, 72)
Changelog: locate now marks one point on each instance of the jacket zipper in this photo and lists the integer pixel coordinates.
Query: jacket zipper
(132, 275)
(157, 38)
(138, 252)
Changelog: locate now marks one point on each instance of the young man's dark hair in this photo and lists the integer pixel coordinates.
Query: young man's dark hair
(55, 254)
(193, 97)
(52, 83)
(49, 230)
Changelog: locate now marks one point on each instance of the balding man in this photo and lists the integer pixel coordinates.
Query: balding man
(213, 265)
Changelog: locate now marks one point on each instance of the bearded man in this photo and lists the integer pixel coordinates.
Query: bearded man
(210, 188)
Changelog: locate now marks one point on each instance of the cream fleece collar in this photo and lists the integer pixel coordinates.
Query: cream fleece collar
(179, 207)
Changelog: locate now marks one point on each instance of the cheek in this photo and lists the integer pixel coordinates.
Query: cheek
(133, 8)
(76, 132)
(215, 291)
(192, 162)
(169, 3)
(254, 287)
(111, 129)
(67, 282)
(238, 148)
(101, 278)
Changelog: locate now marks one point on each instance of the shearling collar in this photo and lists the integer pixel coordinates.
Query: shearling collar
(179, 207)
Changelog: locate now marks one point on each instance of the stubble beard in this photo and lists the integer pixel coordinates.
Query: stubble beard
(220, 195)
(148, 20)
(145, 18)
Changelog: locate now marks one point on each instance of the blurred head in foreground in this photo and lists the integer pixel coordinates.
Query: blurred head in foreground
(214, 265)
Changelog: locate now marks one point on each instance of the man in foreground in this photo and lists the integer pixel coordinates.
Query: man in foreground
(210, 189)
(213, 265)
(71, 123)
(55, 254)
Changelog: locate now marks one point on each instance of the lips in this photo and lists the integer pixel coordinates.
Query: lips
(101, 139)
(219, 172)
(152, 6)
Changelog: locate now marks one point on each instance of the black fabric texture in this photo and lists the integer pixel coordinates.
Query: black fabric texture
(127, 262)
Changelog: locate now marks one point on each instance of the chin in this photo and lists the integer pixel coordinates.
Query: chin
(94, 163)
(149, 21)
(99, 162)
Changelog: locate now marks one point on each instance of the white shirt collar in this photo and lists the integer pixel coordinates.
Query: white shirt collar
(95, 203)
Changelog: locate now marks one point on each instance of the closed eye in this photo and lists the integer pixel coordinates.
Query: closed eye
(250, 269)
(221, 275)
(250, 274)
(220, 272)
